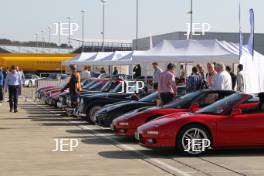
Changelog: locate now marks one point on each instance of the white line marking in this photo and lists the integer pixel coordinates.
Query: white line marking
(126, 147)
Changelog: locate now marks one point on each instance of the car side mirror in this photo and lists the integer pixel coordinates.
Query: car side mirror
(195, 107)
(236, 111)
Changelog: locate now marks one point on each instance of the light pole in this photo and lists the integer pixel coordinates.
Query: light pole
(137, 25)
(191, 20)
(43, 40)
(69, 21)
(36, 35)
(103, 23)
(49, 33)
(59, 34)
(83, 27)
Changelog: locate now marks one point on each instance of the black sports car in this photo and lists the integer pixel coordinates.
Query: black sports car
(93, 87)
(106, 115)
(89, 104)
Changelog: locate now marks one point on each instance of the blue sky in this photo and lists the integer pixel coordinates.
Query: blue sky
(22, 19)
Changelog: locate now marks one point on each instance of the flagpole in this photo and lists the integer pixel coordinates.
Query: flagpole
(240, 32)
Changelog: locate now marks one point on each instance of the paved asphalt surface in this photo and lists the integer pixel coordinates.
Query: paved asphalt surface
(28, 138)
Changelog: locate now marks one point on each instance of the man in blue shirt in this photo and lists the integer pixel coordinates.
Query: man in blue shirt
(13, 82)
(1, 84)
(194, 82)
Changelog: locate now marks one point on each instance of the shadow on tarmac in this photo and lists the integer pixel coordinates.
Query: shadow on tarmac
(41, 115)
(171, 154)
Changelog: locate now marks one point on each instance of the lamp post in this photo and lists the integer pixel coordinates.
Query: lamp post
(49, 33)
(59, 34)
(36, 35)
(137, 25)
(83, 28)
(43, 40)
(69, 38)
(103, 23)
(191, 20)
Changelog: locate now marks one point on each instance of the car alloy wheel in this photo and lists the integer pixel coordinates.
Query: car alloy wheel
(194, 140)
(92, 112)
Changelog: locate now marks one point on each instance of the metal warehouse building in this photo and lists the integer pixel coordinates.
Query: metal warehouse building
(144, 43)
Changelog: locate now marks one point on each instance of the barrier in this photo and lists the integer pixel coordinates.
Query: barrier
(45, 83)
(29, 92)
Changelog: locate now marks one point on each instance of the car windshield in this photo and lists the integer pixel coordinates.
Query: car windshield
(221, 106)
(150, 98)
(117, 89)
(184, 101)
(97, 85)
(110, 85)
(84, 82)
(89, 84)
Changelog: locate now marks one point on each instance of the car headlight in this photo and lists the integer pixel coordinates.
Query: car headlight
(123, 123)
(152, 132)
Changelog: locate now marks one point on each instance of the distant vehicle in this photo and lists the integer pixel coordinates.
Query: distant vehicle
(57, 76)
(30, 80)
(106, 75)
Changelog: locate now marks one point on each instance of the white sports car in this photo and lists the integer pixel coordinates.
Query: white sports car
(30, 80)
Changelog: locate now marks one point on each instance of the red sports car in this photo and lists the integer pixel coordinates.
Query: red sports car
(127, 124)
(235, 121)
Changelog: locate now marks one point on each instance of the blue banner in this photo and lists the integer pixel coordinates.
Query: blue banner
(252, 30)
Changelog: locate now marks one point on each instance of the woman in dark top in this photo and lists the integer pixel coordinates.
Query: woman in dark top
(74, 85)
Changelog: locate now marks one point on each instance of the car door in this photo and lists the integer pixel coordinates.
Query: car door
(246, 129)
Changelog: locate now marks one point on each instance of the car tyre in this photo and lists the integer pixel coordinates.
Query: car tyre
(194, 131)
(92, 112)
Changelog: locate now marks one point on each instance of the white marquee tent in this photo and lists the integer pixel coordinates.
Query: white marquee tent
(83, 57)
(188, 51)
(99, 59)
(117, 58)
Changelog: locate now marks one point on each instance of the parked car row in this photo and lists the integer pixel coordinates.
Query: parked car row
(193, 123)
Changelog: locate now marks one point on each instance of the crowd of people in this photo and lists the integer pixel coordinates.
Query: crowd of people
(218, 77)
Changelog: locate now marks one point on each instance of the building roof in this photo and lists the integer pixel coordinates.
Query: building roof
(27, 49)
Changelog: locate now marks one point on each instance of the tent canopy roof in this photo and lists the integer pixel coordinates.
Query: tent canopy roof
(188, 51)
(80, 58)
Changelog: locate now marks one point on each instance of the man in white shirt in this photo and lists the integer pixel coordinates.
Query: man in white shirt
(223, 79)
(156, 75)
(13, 82)
(240, 79)
(85, 73)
